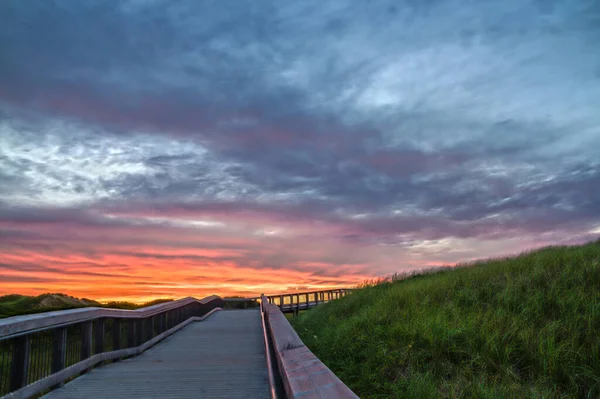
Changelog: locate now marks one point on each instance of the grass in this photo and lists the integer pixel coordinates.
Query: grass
(15, 304)
(525, 327)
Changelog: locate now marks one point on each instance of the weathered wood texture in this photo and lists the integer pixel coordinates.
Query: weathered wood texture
(303, 374)
(19, 324)
(222, 357)
(74, 370)
(295, 302)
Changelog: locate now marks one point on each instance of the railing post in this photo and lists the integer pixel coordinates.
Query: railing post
(139, 331)
(86, 340)
(20, 363)
(116, 333)
(99, 334)
(59, 351)
(281, 302)
(155, 325)
(131, 333)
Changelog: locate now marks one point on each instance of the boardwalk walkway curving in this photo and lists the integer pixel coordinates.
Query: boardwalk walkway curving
(220, 357)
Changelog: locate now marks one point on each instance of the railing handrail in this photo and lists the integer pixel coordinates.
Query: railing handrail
(240, 299)
(270, 375)
(15, 325)
(302, 373)
(308, 292)
(64, 374)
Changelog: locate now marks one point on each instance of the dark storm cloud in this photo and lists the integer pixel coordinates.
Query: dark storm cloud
(387, 122)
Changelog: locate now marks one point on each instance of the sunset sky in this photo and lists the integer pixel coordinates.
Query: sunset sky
(154, 148)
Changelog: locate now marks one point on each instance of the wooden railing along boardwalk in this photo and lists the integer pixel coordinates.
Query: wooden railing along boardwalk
(40, 352)
(294, 302)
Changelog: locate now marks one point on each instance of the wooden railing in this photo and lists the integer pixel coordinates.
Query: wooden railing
(302, 374)
(240, 303)
(294, 302)
(41, 351)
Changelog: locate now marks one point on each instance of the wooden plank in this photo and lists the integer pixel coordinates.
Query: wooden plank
(59, 349)
(99, 335)
(303, 374)
(116, 333)
(56, 378)
(20, 362)
(86, 340)
(223, 357)
(20, 324)
(131, 333)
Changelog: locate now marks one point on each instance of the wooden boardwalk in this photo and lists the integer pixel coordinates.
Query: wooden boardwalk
(221, 357)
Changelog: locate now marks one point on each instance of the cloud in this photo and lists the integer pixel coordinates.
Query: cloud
(324, 139)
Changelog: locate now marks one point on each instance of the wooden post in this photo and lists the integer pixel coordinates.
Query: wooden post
(281, 302)
(151, 326)
(99, 334)
(86, 340)
(131, 324)
(139, 331)
(20, 363)
(59, 351)
(116, 333)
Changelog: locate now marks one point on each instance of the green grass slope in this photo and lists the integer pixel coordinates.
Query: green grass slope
(15, 304)
(527, 327)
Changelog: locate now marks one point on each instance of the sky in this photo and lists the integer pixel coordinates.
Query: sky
(156, 148)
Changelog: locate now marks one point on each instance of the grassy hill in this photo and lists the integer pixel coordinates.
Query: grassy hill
(15, 304)
(526, 327)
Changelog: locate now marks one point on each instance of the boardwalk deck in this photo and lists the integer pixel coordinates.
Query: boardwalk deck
(221, 357)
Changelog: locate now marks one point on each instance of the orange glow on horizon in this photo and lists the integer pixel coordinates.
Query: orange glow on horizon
(129, 278)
